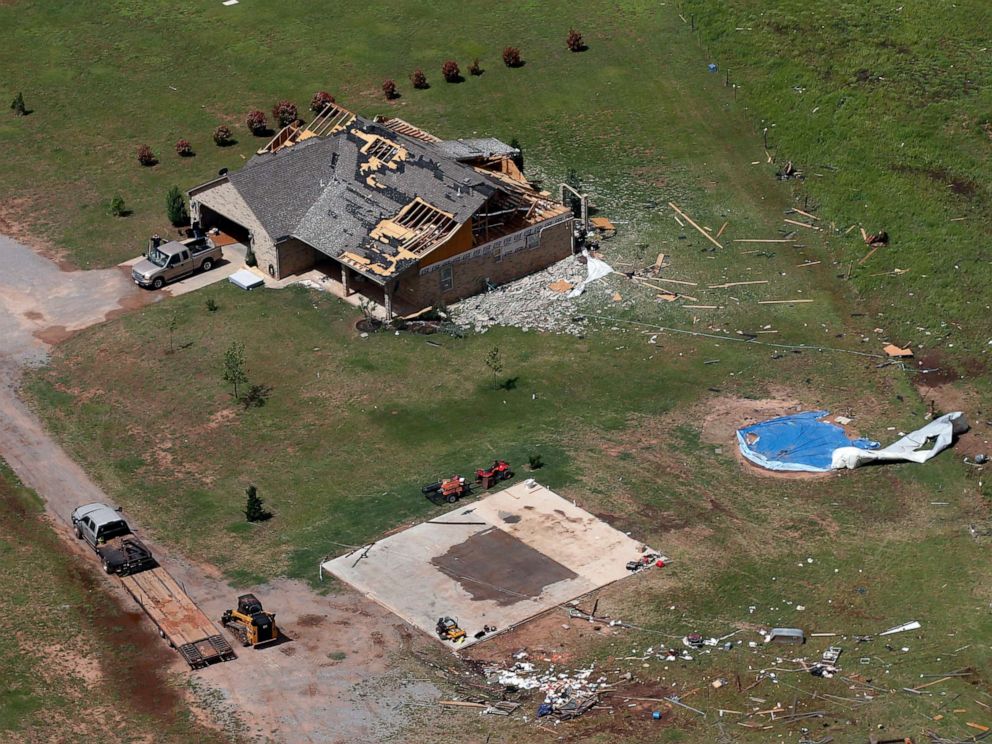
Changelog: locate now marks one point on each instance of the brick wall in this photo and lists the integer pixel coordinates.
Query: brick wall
(293, 257)
(468, 277)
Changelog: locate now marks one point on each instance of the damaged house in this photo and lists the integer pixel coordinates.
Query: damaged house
(394, 213)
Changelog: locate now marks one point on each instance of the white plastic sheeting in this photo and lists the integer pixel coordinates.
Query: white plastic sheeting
(912, 447)
(596, 270)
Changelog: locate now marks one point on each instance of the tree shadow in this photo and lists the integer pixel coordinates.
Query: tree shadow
(510, 383)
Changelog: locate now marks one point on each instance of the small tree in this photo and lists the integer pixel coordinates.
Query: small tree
(475, 68)
(17, 105)
(518, 158)
(145, 156)
(255, 510)
(250, 259)
(574, 41)
(175, 207)
(321, 100)
(234, 366)
(450, 71)
(117, 207)
(419, 80)
(222, 136)
(511, 56)
(183, 148)
(284, 112)
(494, 360)
(389, 89)
(256, 123)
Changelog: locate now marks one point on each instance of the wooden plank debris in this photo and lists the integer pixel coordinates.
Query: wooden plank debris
(894, 351)
(806, 214)
(688, 219)
(703, 307)
(808, 263)
(803, 224)
(869, 254)
(722, 228)
(780, 302)
(737, 284)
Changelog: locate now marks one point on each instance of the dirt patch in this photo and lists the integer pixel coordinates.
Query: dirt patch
(311, 621)
(54, 334)
(495, 565)
(33, 315)
(727, 414)
(947, 398)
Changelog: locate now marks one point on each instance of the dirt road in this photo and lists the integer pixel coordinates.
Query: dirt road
(335, 678)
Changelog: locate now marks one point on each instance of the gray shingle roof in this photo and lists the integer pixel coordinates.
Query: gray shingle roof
(316, 189)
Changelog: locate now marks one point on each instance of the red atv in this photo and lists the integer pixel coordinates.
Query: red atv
(499, 470)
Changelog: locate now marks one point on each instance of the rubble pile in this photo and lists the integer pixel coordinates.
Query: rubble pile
(566, 693)
(529, 303)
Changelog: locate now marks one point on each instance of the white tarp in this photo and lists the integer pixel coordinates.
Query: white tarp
(596, 270)
(912, 447)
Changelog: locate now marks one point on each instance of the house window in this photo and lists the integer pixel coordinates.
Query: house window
(447, 279)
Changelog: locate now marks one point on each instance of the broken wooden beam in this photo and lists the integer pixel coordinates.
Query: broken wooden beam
(763, 240)
(780, 302)
(701, 231)
(802, 224)
(737, 284)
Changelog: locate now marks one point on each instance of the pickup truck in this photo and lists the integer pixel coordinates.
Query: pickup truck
(109, 535)
(165, 262)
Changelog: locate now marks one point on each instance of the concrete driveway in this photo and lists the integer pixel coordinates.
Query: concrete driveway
(298, 691)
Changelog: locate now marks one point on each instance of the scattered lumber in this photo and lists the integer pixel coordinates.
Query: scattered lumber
(677, 281)
(802, 224)
(780, 302)
(462, 704)
(806, 214)
(701, 231)
(703, 307)
(722, 228)
(737, 284)
(808, 263)
(869, 254)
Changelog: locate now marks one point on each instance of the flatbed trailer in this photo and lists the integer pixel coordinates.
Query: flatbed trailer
(179, 620)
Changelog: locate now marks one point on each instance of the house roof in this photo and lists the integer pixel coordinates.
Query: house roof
(334, 191)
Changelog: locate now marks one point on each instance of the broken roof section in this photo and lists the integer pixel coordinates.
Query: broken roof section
(380, 195)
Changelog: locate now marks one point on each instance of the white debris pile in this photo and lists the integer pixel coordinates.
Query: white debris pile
(559, 687)
(539, 301)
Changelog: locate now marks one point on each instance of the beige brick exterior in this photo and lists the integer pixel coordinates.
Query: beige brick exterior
(224, 199)
(293, 257)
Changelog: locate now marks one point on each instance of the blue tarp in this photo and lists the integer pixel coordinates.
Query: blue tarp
(800, 442)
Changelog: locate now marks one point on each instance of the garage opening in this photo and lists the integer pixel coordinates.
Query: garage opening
(234, 232)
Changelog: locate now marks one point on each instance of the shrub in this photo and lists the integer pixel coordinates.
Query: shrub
(256, 123)
(17, 105)
(255, 510)
(255, 396)
(419, 79)
(450, 71)
(175, 207)
(475, 68)
(389, 89)
(145, 156)
(183, 148)
(321, 100)
(535, 462)
(284, 112)
(574, 41)
(511, 57)
(117, 208)
(212, 305)
(250, 259)
(222, 136)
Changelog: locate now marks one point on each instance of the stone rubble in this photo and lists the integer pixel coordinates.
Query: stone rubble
(530, 304)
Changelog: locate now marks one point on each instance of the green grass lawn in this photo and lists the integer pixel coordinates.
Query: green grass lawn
(353, 427)
(70, 658)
